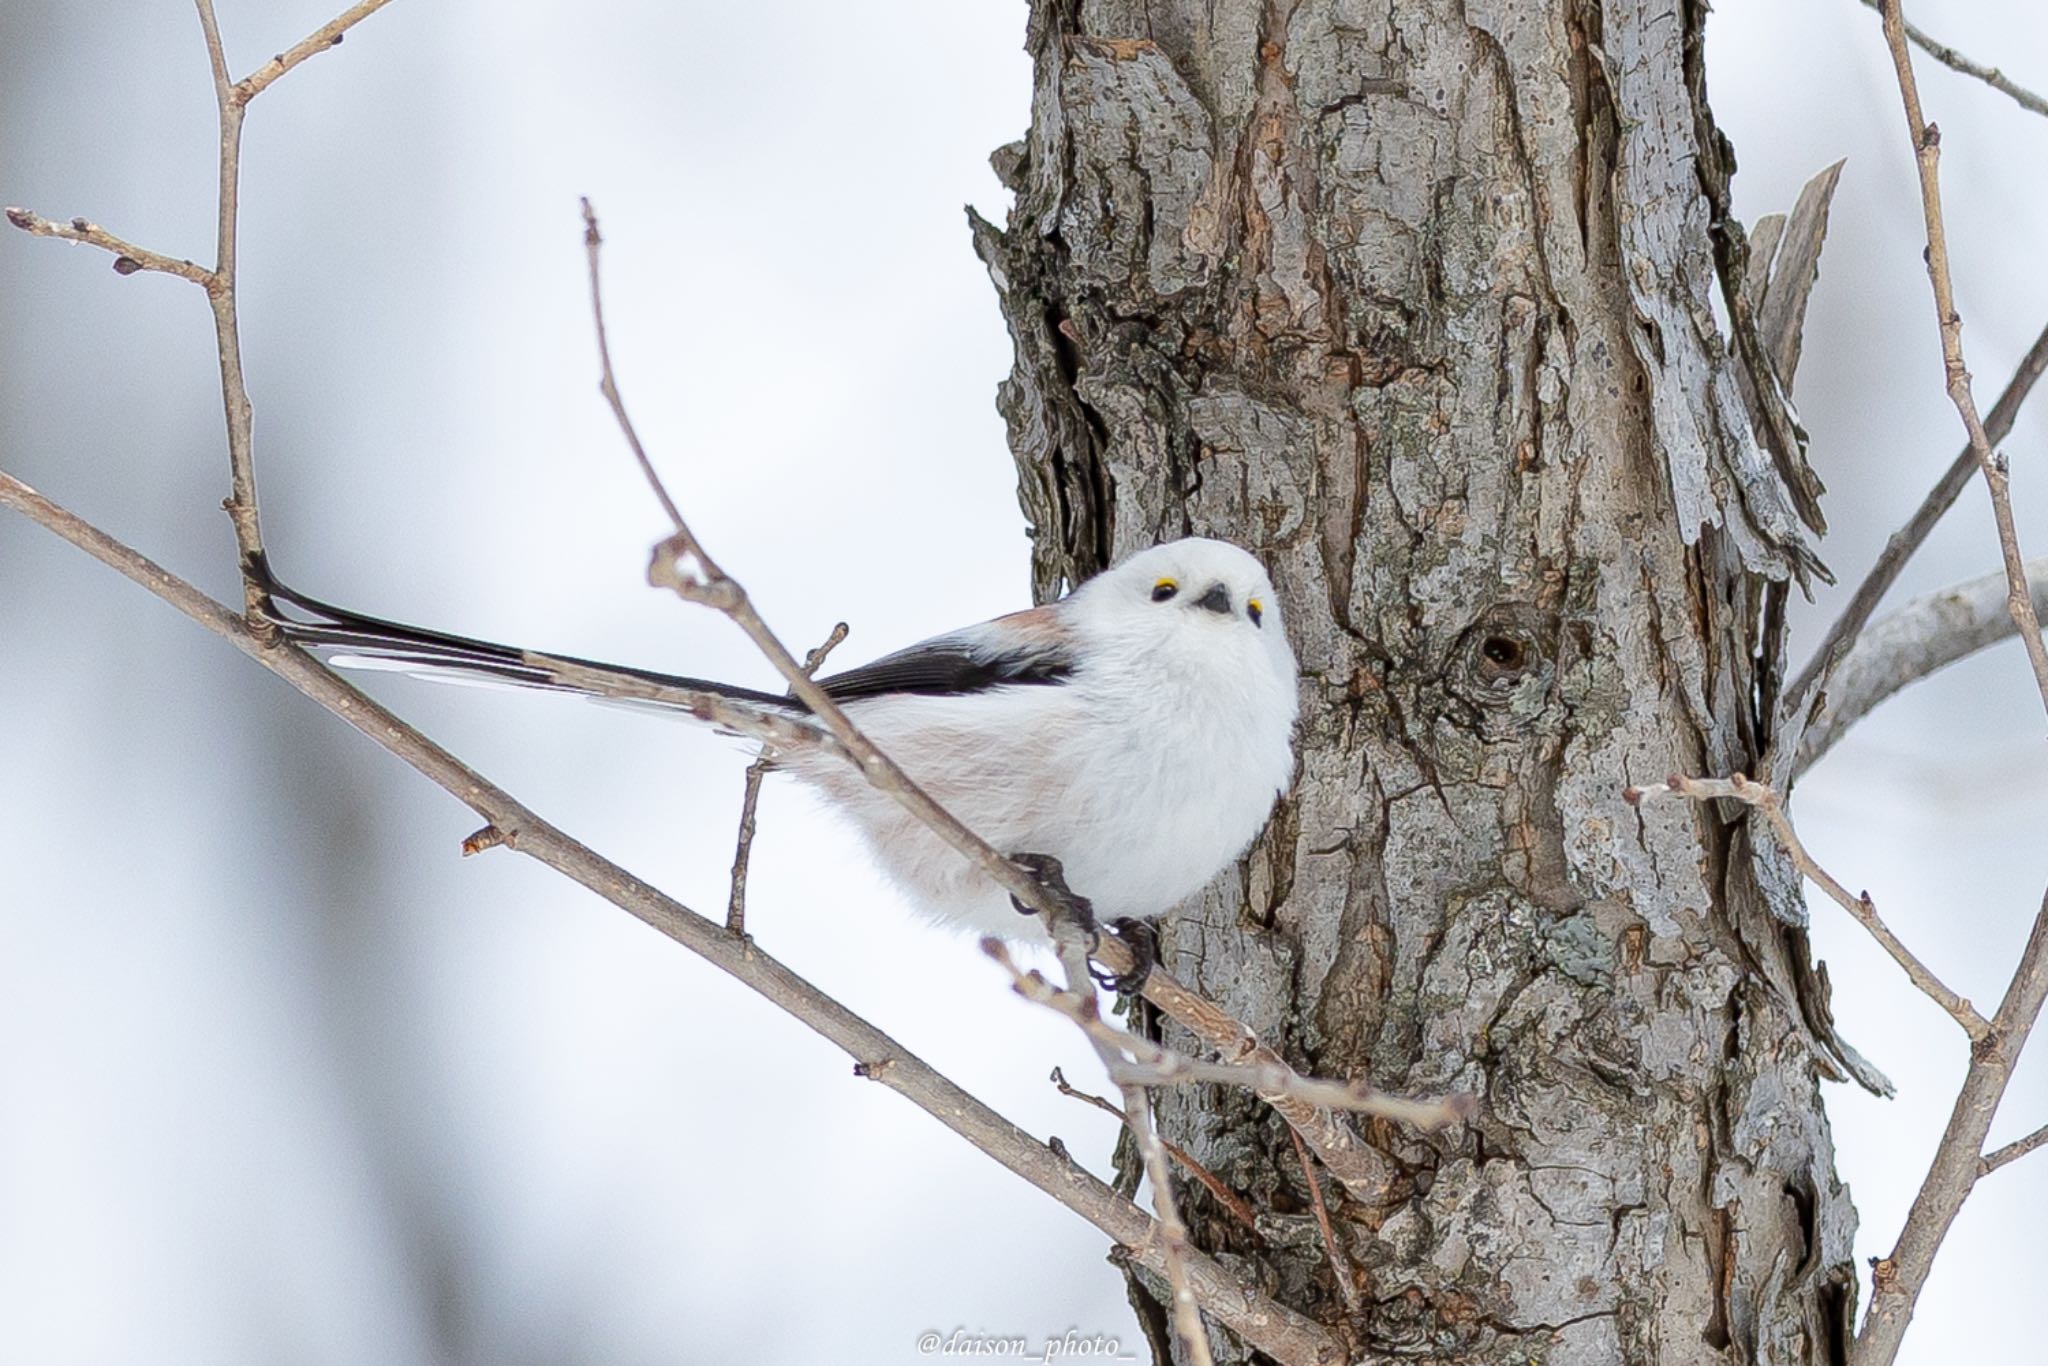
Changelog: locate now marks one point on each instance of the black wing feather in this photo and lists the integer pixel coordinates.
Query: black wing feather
(947, 667)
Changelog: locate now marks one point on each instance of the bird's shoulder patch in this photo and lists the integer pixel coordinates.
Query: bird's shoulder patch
(1037, 626)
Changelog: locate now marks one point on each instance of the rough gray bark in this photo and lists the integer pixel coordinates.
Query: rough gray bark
(1419, 301)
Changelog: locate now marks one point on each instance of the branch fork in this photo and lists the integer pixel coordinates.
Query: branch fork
(1763, 798)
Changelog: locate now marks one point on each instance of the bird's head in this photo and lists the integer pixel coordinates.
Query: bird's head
(1197, 598)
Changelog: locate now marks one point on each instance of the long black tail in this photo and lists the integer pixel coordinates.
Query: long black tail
(350, 639)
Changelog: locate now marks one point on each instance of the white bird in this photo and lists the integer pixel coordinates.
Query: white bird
(1138, 730)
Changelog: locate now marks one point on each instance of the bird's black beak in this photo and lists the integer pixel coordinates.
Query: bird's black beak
(1216, 600)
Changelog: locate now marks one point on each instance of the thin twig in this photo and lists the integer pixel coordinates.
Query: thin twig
(1232, 1202)
(1841, 636)
(682, 565)
(220, 293)
(1340, 1265)
(1185, 1309)
(1367, 1174)
(1154, 1064)
(834, 638)
(216, 53)
(815, 660)
(231, 99)
(1927, 157)
(2012, 1151)
(328, 35)
(1956, 61)
(1897, 1280)
(1285, 1335)
(1762, 797)
(750, 799)
(608, 384)
(129, 259)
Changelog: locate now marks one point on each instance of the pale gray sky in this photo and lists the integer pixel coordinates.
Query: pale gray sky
(282, 1078)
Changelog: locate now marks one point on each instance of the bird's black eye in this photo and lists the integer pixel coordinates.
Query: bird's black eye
(1255, 611)
(1164, 589)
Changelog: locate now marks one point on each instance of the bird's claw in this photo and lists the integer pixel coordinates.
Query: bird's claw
(1047, 872)
(1138, 936)
(1141, 937)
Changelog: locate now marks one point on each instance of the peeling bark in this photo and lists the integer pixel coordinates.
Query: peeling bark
(1419, 301)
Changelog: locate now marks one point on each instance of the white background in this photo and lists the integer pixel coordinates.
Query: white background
(282, 1078)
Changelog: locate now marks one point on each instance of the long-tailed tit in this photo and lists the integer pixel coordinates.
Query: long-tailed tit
(1137, 730)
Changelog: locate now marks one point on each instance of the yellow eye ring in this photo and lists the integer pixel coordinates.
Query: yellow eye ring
(1164, 589)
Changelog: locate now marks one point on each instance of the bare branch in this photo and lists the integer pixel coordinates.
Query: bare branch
(220, 292)
(1340, 1265)
(750, 800)
(328, 35)
(219, 282)
(1908, 538)
(608, 384)
(216, 53)
(2012, 1151)
(1231, 1201)
(1898, 1279)
(1366, 1172)
(1287, 1336)
(834, 638)
(1926, 635)
(1156, 1065)
(1956, 61)
(1762, 797)
(1927, 157)
(1185, 1310)
(682, 565)
(129, 259)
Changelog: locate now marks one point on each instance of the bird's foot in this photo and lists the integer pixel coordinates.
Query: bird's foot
(1138, 936)
(1141, 937)
(1046, 871)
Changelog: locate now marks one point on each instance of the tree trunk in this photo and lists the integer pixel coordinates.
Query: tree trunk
(1417, 301)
